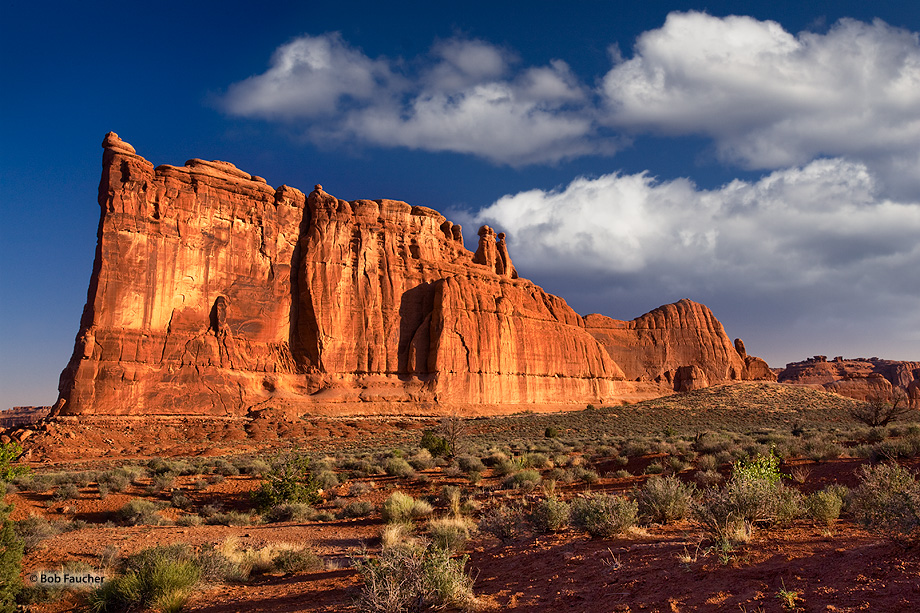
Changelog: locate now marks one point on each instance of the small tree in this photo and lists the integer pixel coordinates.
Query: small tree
(289, 480)
(453, 428)
(10, 561)
(879, 411)
(9, 453)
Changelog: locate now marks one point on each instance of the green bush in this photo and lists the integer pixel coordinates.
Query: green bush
(550, 515)
(887, 501)
(11, 550)
(665, 499)
(436, 445)
(824, 506)
(288, 480)
(9, 453)
(159, 578)
(604, 515)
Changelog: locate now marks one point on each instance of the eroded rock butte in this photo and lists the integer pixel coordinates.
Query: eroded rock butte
(213, 293)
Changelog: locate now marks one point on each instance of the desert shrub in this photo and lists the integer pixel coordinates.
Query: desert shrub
(139, 511)
(604, 515)
(35, 529)
(325, 479)
(11, 550)
(550, 515)
(761, 467)
(665, 499)
(707, 478)
(297, 561)
(357, 508)
(622, 474)
(179, 501)
(524, 479)
(586, 475)
(790, 504)
(655, 468)
(717, 513)
(422, 460)
(436, 445)
(824, 506)
(229, 518)
(414, 578)
(359, 488)
(9, 453)
(398, 467)
(495, 458)
(161, 482)
(290, 511)
(69, 491)
(450, 497)
(289, 480)
(159, 578)
(636, 448)
(534, 460)
(400, 507)
(551, 432)
(189, 520)
(505, 522)
(450, 533)
(887, 501)
(469, 463)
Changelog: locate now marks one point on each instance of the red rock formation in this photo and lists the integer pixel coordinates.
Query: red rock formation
(679, 346)
(214, 293)
(858, 378)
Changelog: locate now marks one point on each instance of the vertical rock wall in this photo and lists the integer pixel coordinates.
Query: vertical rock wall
(214, 293)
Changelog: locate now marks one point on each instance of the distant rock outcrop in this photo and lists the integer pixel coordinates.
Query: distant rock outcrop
(214, 293)
(859, 378)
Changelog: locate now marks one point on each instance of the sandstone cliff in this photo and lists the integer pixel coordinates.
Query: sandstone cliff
(680, 346)
(214, 293)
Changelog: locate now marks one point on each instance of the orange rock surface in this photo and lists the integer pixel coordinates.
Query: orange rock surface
(859, 378)
(213, 293)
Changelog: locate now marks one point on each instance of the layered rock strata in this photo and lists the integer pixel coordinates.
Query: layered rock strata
(214, 293)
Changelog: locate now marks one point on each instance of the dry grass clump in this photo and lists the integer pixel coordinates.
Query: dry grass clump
(400, 507)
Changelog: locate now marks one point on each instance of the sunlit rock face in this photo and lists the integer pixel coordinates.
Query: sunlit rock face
(859, 378)
(214, 293)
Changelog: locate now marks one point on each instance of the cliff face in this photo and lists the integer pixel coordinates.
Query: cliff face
(859, 378)
(680, 347)
(214, 293)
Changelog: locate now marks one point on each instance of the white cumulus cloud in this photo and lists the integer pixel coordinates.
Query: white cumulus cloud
(819, 237)
(465, 97)
(771, 99)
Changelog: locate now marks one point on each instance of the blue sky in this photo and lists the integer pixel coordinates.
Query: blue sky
(762, 157)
